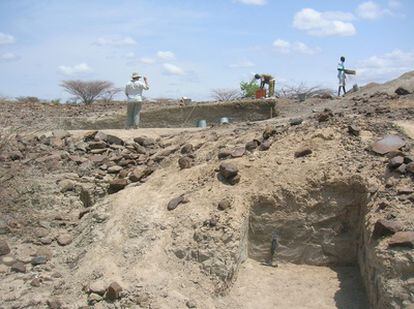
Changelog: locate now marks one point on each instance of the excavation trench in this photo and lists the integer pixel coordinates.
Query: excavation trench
(318, 229)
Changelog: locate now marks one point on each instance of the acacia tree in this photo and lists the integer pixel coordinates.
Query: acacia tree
(225, 94)
(86, 91)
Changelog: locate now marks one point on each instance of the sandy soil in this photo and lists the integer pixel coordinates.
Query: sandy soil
(295, 286)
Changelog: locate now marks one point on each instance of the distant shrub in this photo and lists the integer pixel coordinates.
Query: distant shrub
(225, 94)
(249, 89)
(87, 91)
(27, 99)
(55, 101)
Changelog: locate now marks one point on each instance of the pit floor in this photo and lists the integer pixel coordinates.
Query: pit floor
(295, 286)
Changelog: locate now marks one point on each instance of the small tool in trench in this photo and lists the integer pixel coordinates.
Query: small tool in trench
(273, 248)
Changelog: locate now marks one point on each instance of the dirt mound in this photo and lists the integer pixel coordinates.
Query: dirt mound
(391, 88)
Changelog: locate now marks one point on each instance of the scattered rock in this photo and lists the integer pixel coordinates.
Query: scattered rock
(97, 145)
(402, 239)
(145, 141)
(224, 204)
(66, 185)
(139, 173)
(238, 152)
(303, 152)
(39, 260)
(295, 121)
(387, 144)
(252, 145)
(354, 130)
(265, 145)
(114, 169)
(18, 267)
(185, 162)
(4, 247)
(401, 91)
(396, 162)
(224, 154)
(113, 292)
(173, 204)
(64, 239)
(140, 149)
(97, 287)
(228, 170)
(100, 136)
(386, 227)
(94, 298)
(410, 167)
(117, 185)
(46, 240)
(112, 139)
(187, 148)
(229, 173)
(268, 132)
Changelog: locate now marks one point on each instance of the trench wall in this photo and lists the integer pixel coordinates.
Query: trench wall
(175, 117)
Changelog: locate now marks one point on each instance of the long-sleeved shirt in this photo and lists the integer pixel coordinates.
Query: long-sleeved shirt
(134, 89)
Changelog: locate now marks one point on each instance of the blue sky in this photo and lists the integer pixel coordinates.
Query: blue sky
(188, 48)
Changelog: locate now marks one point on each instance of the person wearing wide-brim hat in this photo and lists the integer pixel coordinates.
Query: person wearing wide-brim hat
(133, 91)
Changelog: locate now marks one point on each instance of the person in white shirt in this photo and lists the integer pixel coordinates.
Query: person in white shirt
(341, 76)
(133, 91)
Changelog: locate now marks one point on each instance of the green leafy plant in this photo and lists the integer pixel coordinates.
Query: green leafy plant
(249, 89)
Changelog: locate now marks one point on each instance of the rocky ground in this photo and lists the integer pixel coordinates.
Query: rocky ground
(183, 218)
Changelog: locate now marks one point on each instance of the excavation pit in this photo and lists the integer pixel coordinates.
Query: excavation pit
(320, 239)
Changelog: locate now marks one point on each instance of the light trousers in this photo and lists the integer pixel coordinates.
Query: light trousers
(133, 111)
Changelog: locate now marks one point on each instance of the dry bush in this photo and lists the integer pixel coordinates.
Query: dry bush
(225, 94)
(108, 95)
(302, 92)
(87, 91)
(27, 99)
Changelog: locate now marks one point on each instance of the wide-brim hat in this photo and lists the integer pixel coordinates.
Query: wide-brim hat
(135, 75)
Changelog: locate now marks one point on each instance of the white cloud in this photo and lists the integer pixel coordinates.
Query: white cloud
(286, 47)
(384, 67)
(166, 55)
(242, 64)
(394, 4)
(172, 69)
(252, 2)
(282, 46)
(6, 39)
(130, 55)
(115, 41)
(371, 10)
(74, 70)
(324, 23)
(8, 57)
(147, 60)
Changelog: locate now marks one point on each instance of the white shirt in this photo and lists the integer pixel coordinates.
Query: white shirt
(134, 89)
